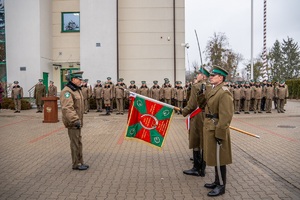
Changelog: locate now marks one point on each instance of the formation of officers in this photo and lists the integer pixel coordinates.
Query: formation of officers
(105, 94)
(258, 96)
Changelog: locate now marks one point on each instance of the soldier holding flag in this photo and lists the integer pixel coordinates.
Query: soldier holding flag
(218, 115)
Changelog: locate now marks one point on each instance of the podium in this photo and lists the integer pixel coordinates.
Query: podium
(50, 109)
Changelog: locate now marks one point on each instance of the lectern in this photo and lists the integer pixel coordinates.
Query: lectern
(50, 109)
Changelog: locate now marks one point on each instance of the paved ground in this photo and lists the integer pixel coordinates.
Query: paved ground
(36, 161)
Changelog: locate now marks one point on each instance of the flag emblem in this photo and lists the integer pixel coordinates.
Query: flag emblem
(148, 120)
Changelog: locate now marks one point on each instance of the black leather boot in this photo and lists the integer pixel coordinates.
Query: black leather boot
(195, 171)
(219, 189)
(202, 166)
(107, 111)
(215, 183)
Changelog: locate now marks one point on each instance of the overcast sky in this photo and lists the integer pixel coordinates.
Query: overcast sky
(233, 18)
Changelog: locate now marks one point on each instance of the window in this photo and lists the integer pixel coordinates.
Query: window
(70, 22)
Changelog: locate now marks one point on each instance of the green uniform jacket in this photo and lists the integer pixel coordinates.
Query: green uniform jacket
(220, 102)
(72, 105)
(196, 124)
(39, 92)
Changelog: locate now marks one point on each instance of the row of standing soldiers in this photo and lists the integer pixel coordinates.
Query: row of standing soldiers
(108, 92)
(258, 97)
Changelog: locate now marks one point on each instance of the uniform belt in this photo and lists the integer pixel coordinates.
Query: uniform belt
(215, 116)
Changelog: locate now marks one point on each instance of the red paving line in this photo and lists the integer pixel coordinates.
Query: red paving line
(46, 135)
(15, 122)
(271, 132)
(122, 136)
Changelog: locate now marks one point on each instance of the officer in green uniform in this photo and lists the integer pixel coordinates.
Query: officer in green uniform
(17, 95)
(72, 107)
(218, 115)
(39, 92)
(195, 126)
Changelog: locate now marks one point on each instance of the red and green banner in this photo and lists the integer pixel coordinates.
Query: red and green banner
(148, 120)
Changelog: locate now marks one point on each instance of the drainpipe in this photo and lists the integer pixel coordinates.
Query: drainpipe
(174, 38)
(117, 24)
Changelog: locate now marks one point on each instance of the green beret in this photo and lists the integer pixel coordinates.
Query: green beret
(155, 82)
(98, 81)
(219, 71)
(40, 80)
(121, 79)
(132, 82)
(108, 78)
(16, 82)
(204, 71)
(143, 82)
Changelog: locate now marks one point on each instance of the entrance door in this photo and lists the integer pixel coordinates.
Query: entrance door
(45, 80)
(63, 73)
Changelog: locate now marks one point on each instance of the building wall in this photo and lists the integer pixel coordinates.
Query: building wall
(24, 45)
(146, 40)
(98, 25)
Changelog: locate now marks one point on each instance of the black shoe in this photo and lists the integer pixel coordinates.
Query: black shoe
(80, 167)
(192, 172)
(98, 111)
(87, 166)
(117, 113)
(218, 190)
(122, 113)
(237, 113)
(210, 185)
(259, 112)
(247, 113)
(16, 111)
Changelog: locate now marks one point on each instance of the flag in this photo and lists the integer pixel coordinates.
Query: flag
(148, 120)
(190, 116)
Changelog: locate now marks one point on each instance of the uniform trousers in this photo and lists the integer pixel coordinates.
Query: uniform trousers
(17, 104)
(99, 104)
(237, 105)
(85, 101)
(168, 101)
(280, 105)
(76, 146)
(120, 105)
(268, 105)
(246, 105)
(257, 105)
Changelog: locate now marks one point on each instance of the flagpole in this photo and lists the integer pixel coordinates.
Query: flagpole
(244, 132)
(153, 100)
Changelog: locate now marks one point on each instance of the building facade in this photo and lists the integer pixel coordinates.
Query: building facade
(132, 39)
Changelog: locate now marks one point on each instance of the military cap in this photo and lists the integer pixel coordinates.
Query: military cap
(155, 82)
(16, 82)
(269, 81)
(86, 80)
(40, 80)
(108, 78)
(76, 74)
(98, 81)
(204, 71)
(219, 71)
(251, 81)
(143, 82)
(247, 82)
(166, 79)
(132, 82)
(179, 82)
(51, 82)
(121, 79)
(282, 81)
